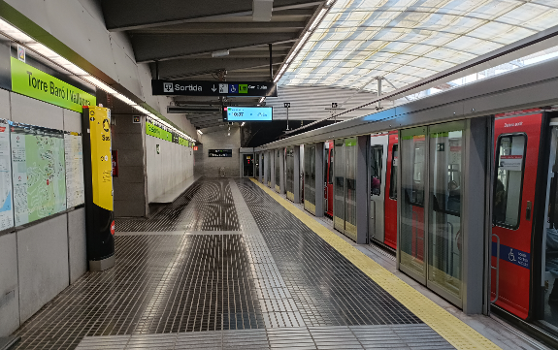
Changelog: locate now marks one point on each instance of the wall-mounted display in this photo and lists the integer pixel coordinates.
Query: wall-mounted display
(74, 169)
(39, 172)
(247, 114)
(220, 153)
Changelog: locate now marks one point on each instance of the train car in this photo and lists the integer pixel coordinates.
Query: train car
(328, 179)
(382, 170)
(525, 217)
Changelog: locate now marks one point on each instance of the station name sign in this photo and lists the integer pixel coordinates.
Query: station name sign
(208, 88)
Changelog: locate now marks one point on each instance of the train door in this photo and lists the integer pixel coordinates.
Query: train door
(517, 140)
(344, 190)
(430, 212)
(377, 182)
(328, 180)
(390, 192)
(289, 173)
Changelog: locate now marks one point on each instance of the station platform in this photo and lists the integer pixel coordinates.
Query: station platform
(233, 265)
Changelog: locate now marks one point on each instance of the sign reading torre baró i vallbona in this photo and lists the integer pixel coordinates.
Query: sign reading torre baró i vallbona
(30, 81)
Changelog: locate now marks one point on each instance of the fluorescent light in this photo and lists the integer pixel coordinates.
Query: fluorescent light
(200, 132)
(14, 33)
(100, 84)
(329, 3)
(220, 53)
(261, 99)
(243, 123)
(124, 99)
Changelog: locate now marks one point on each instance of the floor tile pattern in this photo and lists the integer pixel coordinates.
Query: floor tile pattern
(327, 289)
(409, 337)
(212, 210)
(161, 284)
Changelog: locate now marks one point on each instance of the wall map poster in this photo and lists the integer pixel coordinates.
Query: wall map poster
(74, 170)
(39, 172)
(6, 207)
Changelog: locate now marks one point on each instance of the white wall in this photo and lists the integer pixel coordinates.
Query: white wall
(221, 140)
(173, 165)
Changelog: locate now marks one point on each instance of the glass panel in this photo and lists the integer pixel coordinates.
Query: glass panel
(376, 153)
(351, 150)
(509, 176)
(413, 148)
(393, 177)
(310, 175)
(278, 168)
(289, 184)
(444, 234)
(339, 187)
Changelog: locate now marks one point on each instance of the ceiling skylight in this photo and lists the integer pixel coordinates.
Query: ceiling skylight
(408, 40)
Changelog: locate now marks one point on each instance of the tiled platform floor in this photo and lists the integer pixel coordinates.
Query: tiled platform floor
(225, 267)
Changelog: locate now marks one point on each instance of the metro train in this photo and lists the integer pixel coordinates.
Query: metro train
(524, 206)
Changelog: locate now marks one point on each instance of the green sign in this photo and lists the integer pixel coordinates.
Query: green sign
(183, 142)
(30, 81)
(155, 131)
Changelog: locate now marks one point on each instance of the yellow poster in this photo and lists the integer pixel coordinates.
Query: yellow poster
(101, 157)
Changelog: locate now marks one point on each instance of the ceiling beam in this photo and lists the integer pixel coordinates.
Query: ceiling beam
(184, 68)
(123, 15)
(148, 48)
(220, 27)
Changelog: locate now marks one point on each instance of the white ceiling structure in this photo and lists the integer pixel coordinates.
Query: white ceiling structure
(405, 41)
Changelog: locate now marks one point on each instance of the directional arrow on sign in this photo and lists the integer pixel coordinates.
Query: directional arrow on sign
(213, 88)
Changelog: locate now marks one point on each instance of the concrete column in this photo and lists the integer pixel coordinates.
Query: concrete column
(282, 170)
(260, 167)
(473, 199)
(362, 190)
(319, 149)
(297, 172)
(272, 158)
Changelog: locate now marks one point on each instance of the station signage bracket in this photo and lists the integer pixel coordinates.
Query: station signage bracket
(210, 88)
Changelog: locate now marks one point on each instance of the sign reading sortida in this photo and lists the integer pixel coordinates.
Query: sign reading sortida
(30, 81)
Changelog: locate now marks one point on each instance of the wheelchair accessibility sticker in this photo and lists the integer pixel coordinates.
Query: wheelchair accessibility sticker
(512, 255)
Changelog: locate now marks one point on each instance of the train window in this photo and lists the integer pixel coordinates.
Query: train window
(509, 177)
(393, 177)
(376, 154)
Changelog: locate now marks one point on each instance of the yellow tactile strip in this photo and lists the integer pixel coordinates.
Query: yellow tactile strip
(457, 333)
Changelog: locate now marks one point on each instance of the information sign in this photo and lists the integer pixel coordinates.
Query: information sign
(208, 88)
(30, 81)
(220, 153)
(101, 157)
(39, 172)
(247, 114)
(6, 198)
(74, 169)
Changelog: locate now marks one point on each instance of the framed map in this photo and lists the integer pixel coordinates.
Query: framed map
(6, 198)
(39, 172)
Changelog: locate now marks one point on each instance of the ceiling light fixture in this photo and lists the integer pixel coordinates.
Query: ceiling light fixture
(243, 123)
(220, 53)
(18, 36)
(200, 132)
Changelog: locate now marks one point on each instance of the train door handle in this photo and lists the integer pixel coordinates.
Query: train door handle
(528, 211)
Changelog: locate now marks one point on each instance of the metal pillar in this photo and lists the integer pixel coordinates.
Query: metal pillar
(281, 171)
(473, 199)
(297, 172)
(362, 190)
(272, 157)
(260, 168)
(319, 149)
